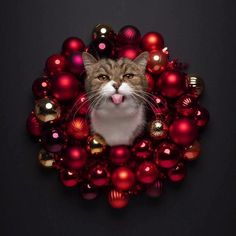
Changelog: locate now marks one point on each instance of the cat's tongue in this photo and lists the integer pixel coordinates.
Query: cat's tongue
(117, 98)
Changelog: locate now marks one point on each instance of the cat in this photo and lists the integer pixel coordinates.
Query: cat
(115, 89)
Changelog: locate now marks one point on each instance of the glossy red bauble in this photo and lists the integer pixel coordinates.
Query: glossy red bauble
(201, 117)
(72, 45)
(129, 35)
(143, 149)
(130, 52)
(76, 64)
(69, 178)
(78, 128)
(41, 87)
(177, 173)
(123, 178)
(186, 105)
(152, 41)
(157, 61)
(119, 154)
(99, 176)
(34, 126)
(147, 172)
(183, 131)
(171, 84)
(118, 199)
(55, 64)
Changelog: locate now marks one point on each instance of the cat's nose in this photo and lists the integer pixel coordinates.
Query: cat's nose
(116, 85)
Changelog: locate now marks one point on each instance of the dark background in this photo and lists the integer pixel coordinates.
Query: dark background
(33, 202)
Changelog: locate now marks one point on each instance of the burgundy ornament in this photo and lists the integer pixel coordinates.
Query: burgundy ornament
(177, 173)
(88, 192)
(76, 64)
(119, 154)
(130, 52)
(155, 190)
(129, 34)
(72, 45)
(103, 31)
(157, 61)
(150, 82)
(55, 64)
(186, 105)
(69, 178)
(81, 106)
(160, 105)
(41, 87)
(152, 41)
(34, 126)
(147, 172)
(143, 149)
(99, 176)
(201, 117)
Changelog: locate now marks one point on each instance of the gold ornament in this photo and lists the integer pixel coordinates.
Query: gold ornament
(195, 85)
(47, 109)
(192, 152)
(46, 159)
(96, 144)
(158, 129)
(103, 31)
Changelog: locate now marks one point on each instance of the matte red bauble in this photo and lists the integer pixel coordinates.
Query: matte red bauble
(55, 64)
(157, 61)
(76, 64)
(183, 131)
(177, 173)
(69, 178)
(72, 45)
(129, 35)
(103, 31)
(78, 128)
(54, 140)
(119, 154)
(65, 87)
(171, 84)
(152, 41)
(88, 192)
(147, 172)
(41, 87)
(130, 52)
(118, 199)
(34, 126)
(192, 152)
(150, 82)
(99, 176)
(123, 178)
(160, 105)
(155, 190)
(167, 155)
(186, 105)
(143, 149)
(81, 105)
(201, 117)
(75, 157)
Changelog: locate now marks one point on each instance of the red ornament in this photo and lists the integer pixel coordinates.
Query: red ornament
(118, 199)
(34, 126)
(41, 87)
(75, 157)
(147, 172)
(183, 131)
(171, 84)
(152, 41)
(160, 105)
(81, 105)
(65, 87)
(88, 192)
(119, 154)
(99, 176)
(155, 190)
(129, 35)
(201, 117)
(78, 128)
(186, 105)
(192, 152)
(72, 45)
(69, 178)
(54, 140)
(130, 52)
(150, 82)
(55, 64)
(142, 149)
(123, 178)
(157, 61)
(167, 155)
(177, 173)
(76, 64)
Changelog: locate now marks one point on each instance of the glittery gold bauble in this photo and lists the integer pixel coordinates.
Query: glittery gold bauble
(47, 109)
(96, 144)
(192, 152)
(158, 129)
(46, 159)
(195, 85)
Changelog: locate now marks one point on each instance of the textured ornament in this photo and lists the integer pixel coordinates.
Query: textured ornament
(78, 128)
(129, 34)
(96, 144)
(158, 130)
(195, 85)
(46, 159)
(186, 105)
(118, 199)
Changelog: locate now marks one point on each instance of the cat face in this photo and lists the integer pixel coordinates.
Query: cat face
(113, 83)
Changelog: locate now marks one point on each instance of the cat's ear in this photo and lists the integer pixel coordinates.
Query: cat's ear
(141, 60)
(88, 60)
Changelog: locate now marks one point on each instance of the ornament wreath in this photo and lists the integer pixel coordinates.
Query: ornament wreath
(60, 121)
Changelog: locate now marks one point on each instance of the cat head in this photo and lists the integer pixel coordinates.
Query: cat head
(115, 83)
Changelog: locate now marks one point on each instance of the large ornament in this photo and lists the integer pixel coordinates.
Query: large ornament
(72, 45)
(152, 41)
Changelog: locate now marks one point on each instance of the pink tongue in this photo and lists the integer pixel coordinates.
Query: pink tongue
(117, 98)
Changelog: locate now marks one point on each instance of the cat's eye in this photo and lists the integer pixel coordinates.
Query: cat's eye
(103, 77)
(128, 76)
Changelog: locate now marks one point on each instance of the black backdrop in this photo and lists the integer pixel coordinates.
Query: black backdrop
(34, 203)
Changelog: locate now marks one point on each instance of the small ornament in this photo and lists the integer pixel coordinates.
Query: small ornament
(195, 85)
(72, 45)
(183, 131)
(143, 149)
(177, 173)
(119, 154)
(55, 64)
(65, 87)
(150, 82)
(129, 35)
(34, 126)
(88, 192)
(123, 178)
(167, 155)
(130, 52)
(201, 117)
(186, 105)
(76, 64)
(46, 159)
(69, 178)
(103, 31)
(147, 172)
(41, 87)
(54, 140)
(81, 105)
(78, 128)
(99, 176)
(192, 152)
(47, 109)
(171, 84)
(118, 199)
(155, 190)
(161, 105)
(157, 61)
(158, 130)
(75, 157)
(152, 41)
(96, 144)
